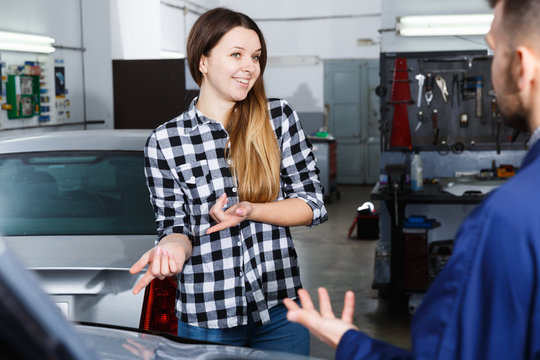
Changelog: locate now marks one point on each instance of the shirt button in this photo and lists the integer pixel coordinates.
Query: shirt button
(241, 273)
(239, 243)
(229, 161)
(234, 189)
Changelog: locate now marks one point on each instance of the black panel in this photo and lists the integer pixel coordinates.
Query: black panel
(148, 93)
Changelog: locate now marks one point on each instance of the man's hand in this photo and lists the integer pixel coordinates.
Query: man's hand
(164, 260)
(230, 217)
(323, 325)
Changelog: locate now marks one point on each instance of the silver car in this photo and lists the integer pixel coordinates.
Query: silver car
(32, 328)
(74, 206)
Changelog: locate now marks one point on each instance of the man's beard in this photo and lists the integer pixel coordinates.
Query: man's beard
(510, 104)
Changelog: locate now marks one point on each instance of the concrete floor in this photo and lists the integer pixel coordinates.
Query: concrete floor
(328, 258)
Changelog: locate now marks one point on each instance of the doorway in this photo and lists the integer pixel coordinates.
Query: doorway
(353, 118)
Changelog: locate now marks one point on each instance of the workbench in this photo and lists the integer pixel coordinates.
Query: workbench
(396, 204)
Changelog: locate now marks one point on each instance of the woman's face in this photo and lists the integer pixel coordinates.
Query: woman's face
(232, 67)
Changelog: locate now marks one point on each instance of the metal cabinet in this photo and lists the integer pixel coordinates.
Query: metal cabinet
(325, 151)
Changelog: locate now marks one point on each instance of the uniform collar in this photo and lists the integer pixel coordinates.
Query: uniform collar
(535, 136)
(534, 150)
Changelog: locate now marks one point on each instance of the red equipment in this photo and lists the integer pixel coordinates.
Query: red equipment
(400, 99)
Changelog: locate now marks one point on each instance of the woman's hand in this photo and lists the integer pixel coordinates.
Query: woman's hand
(230, 217)
(164, 260)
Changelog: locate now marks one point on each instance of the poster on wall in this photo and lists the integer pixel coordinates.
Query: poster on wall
(59, 79)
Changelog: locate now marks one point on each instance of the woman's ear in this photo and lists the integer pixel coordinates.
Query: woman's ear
(203, 65)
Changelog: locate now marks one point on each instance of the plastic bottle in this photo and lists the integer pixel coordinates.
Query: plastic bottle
(417, 177)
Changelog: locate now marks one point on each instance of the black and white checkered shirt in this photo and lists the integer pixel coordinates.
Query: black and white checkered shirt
(246, 269)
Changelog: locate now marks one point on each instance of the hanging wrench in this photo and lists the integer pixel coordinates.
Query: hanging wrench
(435, 125)
(429, 89)
(420, 78)
(421, 119)
(441, 83)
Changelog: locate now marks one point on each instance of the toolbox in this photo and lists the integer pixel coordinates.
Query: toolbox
(366, 223)
(415, 259)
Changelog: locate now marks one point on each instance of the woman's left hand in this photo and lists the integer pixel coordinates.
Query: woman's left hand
(230, 217)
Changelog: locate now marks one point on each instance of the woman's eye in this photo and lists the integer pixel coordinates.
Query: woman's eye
(236, 55)
(257, 57)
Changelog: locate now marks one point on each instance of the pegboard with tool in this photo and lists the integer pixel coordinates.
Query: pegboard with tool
(441, 101)
(29, 94)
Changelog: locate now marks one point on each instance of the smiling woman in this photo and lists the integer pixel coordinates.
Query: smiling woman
(227, 62)
(227, 178)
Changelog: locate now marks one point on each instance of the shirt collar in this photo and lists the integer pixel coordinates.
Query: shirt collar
(201, 119)
(193, 118)
(534, 137)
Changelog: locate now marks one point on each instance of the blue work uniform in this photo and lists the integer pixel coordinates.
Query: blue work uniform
(485, 303)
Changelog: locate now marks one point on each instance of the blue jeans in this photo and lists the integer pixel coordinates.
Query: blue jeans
(278, 335)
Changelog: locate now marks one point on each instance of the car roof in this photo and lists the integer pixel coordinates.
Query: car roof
(106, 139)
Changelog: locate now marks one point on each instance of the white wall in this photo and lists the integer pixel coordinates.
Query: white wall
(295, 30)
(292, 29)
(311, 28)
(97, 62)
(135, 29)
(61, 19)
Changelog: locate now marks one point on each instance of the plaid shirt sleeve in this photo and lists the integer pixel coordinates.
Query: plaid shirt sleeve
(165, 194)
(299, 173)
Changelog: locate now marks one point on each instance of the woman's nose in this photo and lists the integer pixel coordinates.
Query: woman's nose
(249, 66)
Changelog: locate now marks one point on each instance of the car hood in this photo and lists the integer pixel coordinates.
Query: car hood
(80, 252)
(110, 343)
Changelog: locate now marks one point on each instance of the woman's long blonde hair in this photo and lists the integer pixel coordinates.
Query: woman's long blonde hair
(252, 146)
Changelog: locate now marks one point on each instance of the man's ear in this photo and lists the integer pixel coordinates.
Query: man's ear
(528, 66)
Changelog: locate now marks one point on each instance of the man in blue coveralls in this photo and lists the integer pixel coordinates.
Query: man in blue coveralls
(485, 303)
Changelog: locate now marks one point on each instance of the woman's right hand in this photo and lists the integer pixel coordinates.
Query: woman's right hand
(164, 260)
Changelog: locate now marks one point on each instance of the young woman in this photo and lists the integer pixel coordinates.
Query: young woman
(227, 178)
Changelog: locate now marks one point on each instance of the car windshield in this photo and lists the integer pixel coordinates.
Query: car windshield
(74, 193)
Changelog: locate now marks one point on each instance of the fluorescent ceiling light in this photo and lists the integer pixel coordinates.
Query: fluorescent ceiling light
(443, 25)
(26, 42)
(168, 54)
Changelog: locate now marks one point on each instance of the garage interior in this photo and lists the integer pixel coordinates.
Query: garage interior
(368, 95)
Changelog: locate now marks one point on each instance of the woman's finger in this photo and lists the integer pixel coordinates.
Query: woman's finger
(216, 212)
(145, 280)
(221, 226)
(172, 264)
(141, 263)
(165, 270)
(156, 262)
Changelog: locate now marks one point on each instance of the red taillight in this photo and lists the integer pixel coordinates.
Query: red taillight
(158, 307)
